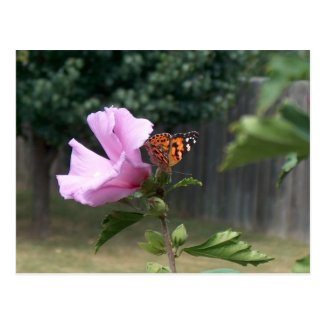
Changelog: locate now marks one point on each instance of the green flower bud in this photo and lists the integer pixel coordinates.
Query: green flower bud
(155, 243)
(153, 267)
(156, 207)
(179, 235)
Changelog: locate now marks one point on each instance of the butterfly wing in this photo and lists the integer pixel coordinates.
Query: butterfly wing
(158, 149)
(181, 143)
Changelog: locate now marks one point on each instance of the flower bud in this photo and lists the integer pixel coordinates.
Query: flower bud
(179, 235)
(157, 207)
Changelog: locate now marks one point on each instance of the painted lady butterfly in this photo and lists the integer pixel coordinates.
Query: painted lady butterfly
(166, 150)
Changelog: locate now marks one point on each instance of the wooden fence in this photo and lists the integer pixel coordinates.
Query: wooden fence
(245, 197)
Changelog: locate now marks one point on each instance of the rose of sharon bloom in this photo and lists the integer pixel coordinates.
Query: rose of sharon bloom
(95, 180)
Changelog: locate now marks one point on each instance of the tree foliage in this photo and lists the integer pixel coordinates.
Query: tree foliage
(57, 89)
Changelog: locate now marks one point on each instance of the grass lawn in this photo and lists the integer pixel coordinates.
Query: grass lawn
(75, 228)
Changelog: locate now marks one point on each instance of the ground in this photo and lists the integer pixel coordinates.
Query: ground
(70, 248)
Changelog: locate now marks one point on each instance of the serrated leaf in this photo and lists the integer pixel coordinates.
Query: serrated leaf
(114, 223)
(223, 270)
(225, 245)
(153, 267)
(219, 238)
(186, 182)
(259, 138)
(302, 265)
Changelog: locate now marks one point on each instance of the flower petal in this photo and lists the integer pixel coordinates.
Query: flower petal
(103, 195)
(132, 132)
(87, 171)
(131, 176)
(124, 184)
(102, 124)
(85, 162)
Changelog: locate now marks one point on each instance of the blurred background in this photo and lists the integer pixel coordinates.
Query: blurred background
(178, 91)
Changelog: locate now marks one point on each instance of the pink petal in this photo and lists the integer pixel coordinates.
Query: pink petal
(124, 184)
(102, 124)
(87, 171)
(103, 195)
(132, 132)
(131, 176)
(73, 187)
(93, 180)
(85, 162)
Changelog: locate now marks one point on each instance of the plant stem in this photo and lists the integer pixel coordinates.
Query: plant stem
(168, 244)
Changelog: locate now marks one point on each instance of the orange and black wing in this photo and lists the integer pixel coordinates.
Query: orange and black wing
(158, 149)
(180, 144)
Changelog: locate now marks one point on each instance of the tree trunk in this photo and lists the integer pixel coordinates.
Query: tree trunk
(42, 156)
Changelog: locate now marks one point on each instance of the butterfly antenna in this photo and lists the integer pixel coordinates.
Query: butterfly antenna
(174, 171)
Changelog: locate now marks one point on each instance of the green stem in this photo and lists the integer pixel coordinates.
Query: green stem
(168, 244)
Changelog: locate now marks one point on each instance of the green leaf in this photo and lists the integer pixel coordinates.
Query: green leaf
(283, 70)
(302, 265)
(223, 270)
(225, 245)
(259, 138)
(149, 187)
(114, 223)
(291, 67)
(186, 182)
(219, 239)
(270, 92)
(296, 116)
(179, 236)
(291, 162)
(153, 267)
(162, 178)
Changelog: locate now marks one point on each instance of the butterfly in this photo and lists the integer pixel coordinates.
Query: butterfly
(167, 150)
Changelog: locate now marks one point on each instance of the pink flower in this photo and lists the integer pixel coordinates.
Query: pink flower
(94, 180)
